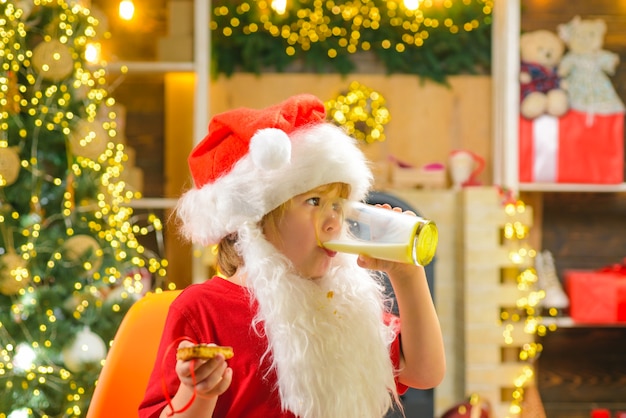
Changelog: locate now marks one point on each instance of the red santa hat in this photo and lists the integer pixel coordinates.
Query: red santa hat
(253, 160)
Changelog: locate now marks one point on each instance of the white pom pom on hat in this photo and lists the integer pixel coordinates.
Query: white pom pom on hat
(252, 160)
(270, 149)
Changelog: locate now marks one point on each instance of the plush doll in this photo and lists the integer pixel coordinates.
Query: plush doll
(540, 86)
(586, 67)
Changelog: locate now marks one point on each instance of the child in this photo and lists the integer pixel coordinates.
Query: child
(310, 328)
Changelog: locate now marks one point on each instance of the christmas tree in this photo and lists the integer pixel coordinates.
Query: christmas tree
(71, 257)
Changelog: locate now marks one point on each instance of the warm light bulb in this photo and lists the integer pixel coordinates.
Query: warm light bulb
(279, 6)
(411, 4)
(19, 413)
(127, 9)
(24, 357)
(92, 53)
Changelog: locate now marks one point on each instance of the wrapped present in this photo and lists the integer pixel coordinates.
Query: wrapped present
(578, 147)
(600, 413)
(597, 296)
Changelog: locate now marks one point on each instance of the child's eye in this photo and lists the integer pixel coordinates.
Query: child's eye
(313, 201)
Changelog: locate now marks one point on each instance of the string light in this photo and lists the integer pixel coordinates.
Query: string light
(527, 308)
(361, 112)
(126, 9)
(341, 28)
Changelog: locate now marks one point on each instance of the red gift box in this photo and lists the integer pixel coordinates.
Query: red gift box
(578, 147)
(597, 297)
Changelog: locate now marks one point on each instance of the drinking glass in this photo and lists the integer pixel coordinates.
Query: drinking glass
(379, 233)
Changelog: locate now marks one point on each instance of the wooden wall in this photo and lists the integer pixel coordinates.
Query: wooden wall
(143, 98)
(581, 369)
(428, 120)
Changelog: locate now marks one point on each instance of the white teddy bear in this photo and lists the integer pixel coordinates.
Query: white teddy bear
(585, 66)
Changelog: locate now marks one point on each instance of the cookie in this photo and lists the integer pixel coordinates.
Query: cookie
(204, 351)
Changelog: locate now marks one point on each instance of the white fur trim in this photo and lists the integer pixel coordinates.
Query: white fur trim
(270, 148)
(303, 325)
(320, 154)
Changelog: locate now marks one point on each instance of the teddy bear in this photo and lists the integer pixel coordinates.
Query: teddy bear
(586, 67)
(540, 86)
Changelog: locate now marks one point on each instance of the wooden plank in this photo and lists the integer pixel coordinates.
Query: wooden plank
(489, 370)
(583, 363)
(584, 231)
(179, 90)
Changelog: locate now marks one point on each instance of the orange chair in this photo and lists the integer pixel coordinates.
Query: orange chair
(130, 360)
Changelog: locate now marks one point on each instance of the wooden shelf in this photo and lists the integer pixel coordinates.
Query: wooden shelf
(567, 322)
(572, 187)
(143, 67)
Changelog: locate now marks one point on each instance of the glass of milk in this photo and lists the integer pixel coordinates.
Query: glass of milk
(378, 232)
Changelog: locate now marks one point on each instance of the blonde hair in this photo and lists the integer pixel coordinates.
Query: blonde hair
(229, 259)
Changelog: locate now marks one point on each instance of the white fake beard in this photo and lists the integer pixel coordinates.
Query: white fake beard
(327, 340)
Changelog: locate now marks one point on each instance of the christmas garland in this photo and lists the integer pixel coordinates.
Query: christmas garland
(437, 39)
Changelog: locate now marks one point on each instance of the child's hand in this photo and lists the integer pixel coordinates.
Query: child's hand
(212, 377)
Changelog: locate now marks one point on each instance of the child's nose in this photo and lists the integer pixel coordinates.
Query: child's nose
(331, 219)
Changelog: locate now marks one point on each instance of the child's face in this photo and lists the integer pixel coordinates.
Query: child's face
(296, 231)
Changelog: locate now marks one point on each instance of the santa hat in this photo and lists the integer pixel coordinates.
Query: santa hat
(253, 160)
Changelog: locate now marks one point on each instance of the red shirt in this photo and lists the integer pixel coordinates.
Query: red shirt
(220, 312)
